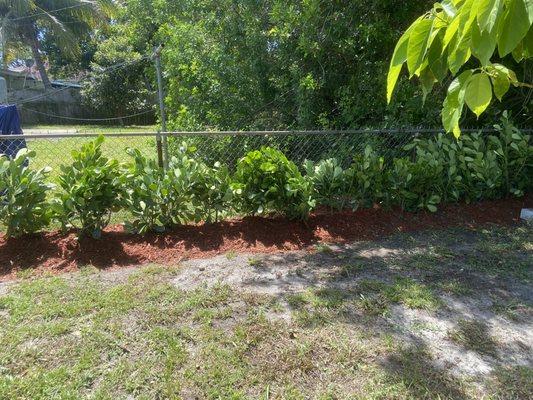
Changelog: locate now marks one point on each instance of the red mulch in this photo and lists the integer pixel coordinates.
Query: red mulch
(56, 252)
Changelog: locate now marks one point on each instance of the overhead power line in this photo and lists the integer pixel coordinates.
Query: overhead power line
(90, 119)
(49, 12)
(104, 70)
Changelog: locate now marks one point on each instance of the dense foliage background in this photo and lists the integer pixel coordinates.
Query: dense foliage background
(279, 64)
(270, 64)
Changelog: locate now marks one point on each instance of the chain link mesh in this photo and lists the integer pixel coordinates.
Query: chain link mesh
(54, 150)
(298, 147)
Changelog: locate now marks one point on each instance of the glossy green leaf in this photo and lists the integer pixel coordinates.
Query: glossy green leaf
(528, 43)
(454, 102)
(398, 58)
(488, 12)
(518, 52)
(478, 93)
(468, 16)
(436, 60)
(513, 27)
(500, 83)
(449, 8)
(508, 72)
(459, 53)
(451, 32)
(418, 43)
(483, 44)
(427, 80)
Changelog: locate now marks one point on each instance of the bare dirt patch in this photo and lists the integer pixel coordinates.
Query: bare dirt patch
(468, 334)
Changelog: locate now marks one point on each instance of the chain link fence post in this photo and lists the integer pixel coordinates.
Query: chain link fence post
(161, 96)
(159, 147)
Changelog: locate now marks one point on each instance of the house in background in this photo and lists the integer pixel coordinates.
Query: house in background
(37, 105)
(21, 79)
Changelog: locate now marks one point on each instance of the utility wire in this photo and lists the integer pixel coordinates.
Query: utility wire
(90, 119)
(107, 69)
(49, 12)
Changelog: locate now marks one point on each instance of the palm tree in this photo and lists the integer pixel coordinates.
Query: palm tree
(29, 21)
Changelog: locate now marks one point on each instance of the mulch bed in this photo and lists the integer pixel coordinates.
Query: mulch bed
(56, 252)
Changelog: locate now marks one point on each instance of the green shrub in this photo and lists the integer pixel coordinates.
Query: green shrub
(93, 188)
(23, 205)
(197, 192)
(366, 179)
(515, 156)
(413, 185)
(482, 175)
(159, 198)
(187, 191)
(211, 192)
(265, 181)
(442, 151)
(146, 195)
(178, 183)
(329, 182)
(478, 166)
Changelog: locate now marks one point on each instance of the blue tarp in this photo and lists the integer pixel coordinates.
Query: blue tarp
(10, 125)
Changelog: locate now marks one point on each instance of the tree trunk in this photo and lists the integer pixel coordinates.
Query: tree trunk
(34, 43)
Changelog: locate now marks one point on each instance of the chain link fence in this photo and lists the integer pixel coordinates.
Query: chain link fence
(54, 149)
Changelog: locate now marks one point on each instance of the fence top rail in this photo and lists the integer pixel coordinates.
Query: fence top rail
(59, 135)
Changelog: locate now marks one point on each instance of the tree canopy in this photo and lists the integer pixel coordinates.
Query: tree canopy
(291, 64)
(30, 22)
(276, 64)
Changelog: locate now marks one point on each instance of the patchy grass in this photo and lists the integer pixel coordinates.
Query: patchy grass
(474, 336)
(513, 383)
(323, 248)
(454, 287)
(403, 291)
(86, 336)
(513, 309)
(254, 261)
(135, 334)
(412, 294)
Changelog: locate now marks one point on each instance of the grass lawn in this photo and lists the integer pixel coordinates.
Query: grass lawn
(41, 129)
(54, 152)
(374, 320)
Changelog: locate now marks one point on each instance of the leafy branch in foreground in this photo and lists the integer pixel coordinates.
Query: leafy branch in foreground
(444, 39)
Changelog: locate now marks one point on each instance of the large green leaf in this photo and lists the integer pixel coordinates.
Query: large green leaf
(513, 26)
(427, 80)
(500, 82)
(449, 8)
(529, 6)
(488, 12)
(509, 72)
(418, 43)
(459, 53)
(478, 93)
(468, 16)
(451, 32)
(528, 43)
(437, 61)
(454, 102)
(483, 44)
(398, 58)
